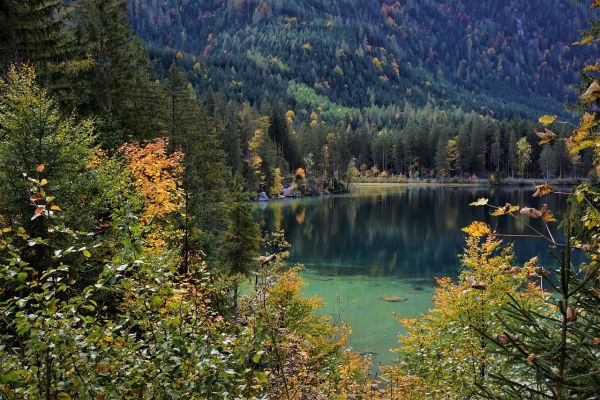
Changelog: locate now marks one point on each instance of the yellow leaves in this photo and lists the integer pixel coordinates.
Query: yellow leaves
(547, 215)
(307, 46)
(377, 63)
(507, 209)
(582, 138)
(547, 136)
(584, 41)
(156, 174)
(543, 190)
(591, 68)
(63, 396)
(596, 4)
(43, 182)
(479, 203)
(547, 120)
(478, 229)
(592, 93)
(86, 253)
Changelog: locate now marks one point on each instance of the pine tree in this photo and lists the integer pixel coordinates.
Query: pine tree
(36, 32)
(205, 170)
(120, 85)
(441, 154)
(241, 240)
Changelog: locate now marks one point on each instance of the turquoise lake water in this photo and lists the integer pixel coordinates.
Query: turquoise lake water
(388, 241)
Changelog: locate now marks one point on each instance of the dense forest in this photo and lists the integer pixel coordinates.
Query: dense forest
(380, 84)
(131, 265)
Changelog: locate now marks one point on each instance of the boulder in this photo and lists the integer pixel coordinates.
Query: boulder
(263, 197)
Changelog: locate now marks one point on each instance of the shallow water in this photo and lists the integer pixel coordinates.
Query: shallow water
(388, 241)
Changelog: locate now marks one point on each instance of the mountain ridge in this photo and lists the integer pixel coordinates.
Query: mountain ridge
(503, 59)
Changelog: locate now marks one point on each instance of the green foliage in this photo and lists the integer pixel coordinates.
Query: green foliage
(496, 58)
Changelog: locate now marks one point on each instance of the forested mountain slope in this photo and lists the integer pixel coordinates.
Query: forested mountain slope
(503, 58)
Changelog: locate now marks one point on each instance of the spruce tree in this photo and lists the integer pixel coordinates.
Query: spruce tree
(120, 86)
(39, 33)
(241, 240)
(205, 170)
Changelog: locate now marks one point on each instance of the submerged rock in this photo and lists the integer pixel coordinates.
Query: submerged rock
(369, 353)
(393, 299)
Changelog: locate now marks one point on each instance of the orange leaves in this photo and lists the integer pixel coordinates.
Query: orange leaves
(596, 4)
(543, 190)
(547, 136)
(156, 174)
(507, 209)
(478, 229)
(592, 93)
(543, 213)
(40, 168)
(301, 173)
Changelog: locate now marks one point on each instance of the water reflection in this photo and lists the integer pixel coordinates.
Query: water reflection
(409, 232)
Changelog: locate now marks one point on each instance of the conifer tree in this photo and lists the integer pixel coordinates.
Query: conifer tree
(241, 240)
(120, 86)
(205, 172)
(36, 32)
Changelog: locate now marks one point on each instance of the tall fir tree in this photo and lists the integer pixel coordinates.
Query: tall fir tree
(241, 240)
(120, 86)
(205, 173)
(38, 33)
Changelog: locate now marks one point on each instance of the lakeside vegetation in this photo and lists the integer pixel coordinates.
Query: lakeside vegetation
(126, 229)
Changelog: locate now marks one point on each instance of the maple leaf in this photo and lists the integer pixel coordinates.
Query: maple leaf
(547, 119)
(481, 202)
(543, 190)
(547, 214)
(478, 229)
(507, 209)
(547, 136)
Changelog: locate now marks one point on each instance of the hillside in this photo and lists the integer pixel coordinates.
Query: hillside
(502, 58)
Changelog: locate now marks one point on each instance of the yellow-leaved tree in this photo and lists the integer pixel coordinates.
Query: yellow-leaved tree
(156, 173)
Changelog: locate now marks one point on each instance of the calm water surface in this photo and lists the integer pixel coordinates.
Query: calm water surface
(388, 241)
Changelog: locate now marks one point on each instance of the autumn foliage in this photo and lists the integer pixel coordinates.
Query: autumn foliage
(156, 173)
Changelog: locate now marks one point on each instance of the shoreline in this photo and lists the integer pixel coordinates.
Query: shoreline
(470, 183)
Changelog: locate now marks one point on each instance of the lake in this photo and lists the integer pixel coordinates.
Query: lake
(379, 241)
